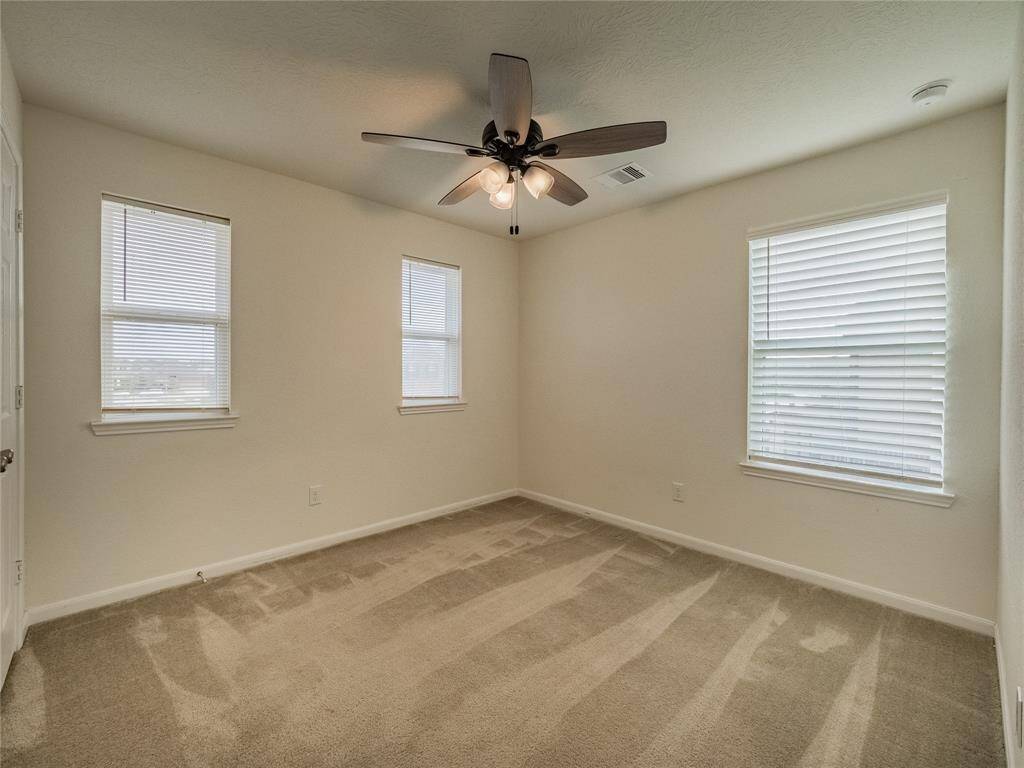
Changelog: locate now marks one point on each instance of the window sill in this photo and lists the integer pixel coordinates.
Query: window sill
(134, 423)
(837, 481)
(439, 405)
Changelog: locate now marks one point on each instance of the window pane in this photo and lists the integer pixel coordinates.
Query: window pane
(848, 345)
(168, 364)
(168, 262)
(425, 306)
(429, 367)
(431, 326)
(165, 308)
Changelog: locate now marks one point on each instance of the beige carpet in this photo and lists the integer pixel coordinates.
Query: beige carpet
(509, 635)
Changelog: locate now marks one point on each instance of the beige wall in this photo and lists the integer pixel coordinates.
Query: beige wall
(604, 363)
(633, 353)
(10, 97)
(1011, 502)
(316, 376)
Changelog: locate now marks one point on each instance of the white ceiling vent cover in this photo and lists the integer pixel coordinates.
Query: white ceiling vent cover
(624, 174)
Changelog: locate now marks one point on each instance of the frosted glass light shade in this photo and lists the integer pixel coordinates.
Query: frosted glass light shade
(494, 177)
(538, 182)
(504, 197)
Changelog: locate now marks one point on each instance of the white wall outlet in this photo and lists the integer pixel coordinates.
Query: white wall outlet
(316, 495)
(679, 492)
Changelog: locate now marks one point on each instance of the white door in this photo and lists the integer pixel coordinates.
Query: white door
(10, 378)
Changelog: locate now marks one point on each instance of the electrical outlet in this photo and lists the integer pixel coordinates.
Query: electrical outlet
(679, 492)
(316, 495)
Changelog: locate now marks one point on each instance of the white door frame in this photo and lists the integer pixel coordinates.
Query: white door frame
(20, 625)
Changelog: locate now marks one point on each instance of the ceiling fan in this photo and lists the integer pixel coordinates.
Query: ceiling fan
(513, 139)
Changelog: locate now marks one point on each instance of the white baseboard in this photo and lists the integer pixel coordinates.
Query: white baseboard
(864, 591)
(128, 591)
(55, 610)
(1005, 706)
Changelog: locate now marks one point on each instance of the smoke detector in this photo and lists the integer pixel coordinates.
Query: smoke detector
(930, 93)
(624, 174)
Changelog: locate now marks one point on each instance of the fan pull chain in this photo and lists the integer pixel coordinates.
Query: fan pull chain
(513, 212)
(519, 175)
(512, 208)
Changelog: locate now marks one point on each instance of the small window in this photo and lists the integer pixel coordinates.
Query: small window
(848, 347)
(165, 309)
(431, 331)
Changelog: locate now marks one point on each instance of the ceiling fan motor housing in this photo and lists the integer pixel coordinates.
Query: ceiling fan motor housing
(503, 143)
(513, 155)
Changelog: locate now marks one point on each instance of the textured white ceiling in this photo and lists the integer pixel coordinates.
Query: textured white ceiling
(289, 86)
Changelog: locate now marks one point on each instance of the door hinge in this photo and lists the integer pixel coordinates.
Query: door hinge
(19, 396)
(19, 573)
(19, 220)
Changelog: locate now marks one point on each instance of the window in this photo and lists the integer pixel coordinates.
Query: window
(165, 311)
(848, 347)
(431, 333)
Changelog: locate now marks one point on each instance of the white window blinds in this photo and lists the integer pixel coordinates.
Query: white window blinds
(431, 329)
(848, 346)
(165, 308)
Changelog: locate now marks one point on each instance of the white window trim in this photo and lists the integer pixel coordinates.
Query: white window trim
(123, 422)
(431, 405)
(138, 422)
(414, 405)
(838, 481)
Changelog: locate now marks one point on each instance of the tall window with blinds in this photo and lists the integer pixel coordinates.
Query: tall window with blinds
(848, 346)
(165, 309)
(431, 330)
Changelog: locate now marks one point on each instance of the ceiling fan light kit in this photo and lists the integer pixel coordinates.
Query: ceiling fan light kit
(494, 176)
(513, 139)
(537, 181)
(504, 197)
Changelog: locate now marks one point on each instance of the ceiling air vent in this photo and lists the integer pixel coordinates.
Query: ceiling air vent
(625, 174)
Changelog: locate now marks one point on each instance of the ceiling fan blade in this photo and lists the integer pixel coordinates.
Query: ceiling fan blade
(461, 192)
(606, 141)
(564, 190)
(430, 145)
(511, 95)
